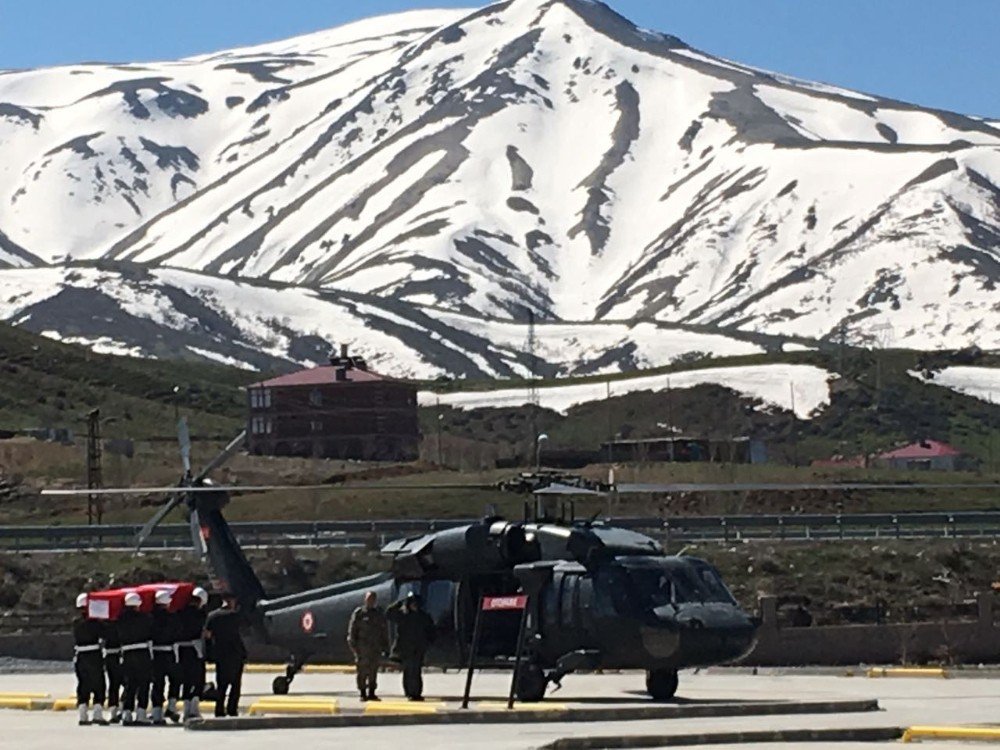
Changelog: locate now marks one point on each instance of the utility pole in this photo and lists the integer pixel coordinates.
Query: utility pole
(95, 507)
(670, 419)
(607, 410)
(439, 419)
(533, 399)
(795, 427)
(991, 433)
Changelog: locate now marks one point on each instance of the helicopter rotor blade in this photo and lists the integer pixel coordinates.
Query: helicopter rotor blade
(197, 541)
(621, 488)
(184, 438)
(227, 453)
(153, 522)
(248, 489)
(625, 489)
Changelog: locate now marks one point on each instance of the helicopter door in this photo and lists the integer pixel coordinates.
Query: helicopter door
(499, 629)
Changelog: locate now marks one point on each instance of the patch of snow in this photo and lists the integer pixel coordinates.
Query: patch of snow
(980, 382)
(777, 385)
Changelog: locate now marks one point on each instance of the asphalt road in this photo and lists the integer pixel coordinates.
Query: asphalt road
(904, 702)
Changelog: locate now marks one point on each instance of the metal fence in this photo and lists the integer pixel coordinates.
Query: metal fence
(671, 531)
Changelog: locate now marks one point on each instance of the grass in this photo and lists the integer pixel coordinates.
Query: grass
(45, 383)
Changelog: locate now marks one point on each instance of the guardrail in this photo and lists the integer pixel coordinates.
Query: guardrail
(671, 530)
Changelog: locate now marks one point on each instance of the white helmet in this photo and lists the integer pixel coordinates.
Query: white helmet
(163, 598)
(81, 601)
(200, 594)
(132, 599)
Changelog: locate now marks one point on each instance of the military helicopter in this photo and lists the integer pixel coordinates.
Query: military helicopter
(599, 597)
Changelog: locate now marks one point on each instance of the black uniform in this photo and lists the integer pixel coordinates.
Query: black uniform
(165, 635)
(191, 651)
(88, 661)
(223, 626)
(414, 633)
(112, 663)
(135, 630)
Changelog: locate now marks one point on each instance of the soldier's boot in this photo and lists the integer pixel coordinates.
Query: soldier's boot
(140, 716)
(172, 710)
(99, 716)
(116, 714)
(127, 720)
(81, 710)
(194, 708)
(158, 716)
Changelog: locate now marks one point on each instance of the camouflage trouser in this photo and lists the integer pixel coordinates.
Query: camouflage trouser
(367, 673)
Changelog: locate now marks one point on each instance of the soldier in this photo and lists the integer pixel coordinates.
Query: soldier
(88, 665)
(164, 636)
(368, 637)
(414, 633)
(191, 652)
(113, 668)
(135, 631)
(222, 628)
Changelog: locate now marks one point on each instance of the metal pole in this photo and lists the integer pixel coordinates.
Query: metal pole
(795, 427)
(472, 652)
(440, 417)
(519, 653)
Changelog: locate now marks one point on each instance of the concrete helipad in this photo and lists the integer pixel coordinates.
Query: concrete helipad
(905, 702)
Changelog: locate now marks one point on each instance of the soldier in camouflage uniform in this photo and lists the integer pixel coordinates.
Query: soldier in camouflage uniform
(368, 637)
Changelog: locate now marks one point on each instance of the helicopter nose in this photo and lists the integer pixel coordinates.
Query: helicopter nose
(717, 634)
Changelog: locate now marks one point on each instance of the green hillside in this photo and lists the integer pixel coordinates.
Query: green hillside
(45, 383)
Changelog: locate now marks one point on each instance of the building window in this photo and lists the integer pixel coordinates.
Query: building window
(258, 425)
(260, 398)
(269, 427)
(316, 426)
(316, 397)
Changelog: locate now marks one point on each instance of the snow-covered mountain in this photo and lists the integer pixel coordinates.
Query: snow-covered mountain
(414, 183)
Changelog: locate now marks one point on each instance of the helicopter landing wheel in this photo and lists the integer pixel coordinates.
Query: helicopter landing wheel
(280, 685)
(531, 684)
(661, 684)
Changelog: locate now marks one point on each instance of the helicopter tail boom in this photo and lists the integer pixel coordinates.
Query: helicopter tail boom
(228, 562)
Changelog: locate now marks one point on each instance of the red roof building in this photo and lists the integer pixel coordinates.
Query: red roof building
(340, 410)
(926, 454)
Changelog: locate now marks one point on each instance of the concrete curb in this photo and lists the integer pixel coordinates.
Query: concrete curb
(866, 734)
(638, 713)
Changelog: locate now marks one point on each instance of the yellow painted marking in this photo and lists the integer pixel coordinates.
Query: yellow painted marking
(908, 672)
(402, 707)
(329, 669)
(24, 695)
(502, 706)
(289, 705)
(64, 704)
(280, 668)
(264, 668)
(966, 734)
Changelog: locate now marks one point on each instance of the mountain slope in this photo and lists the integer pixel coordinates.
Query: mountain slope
(534, 153)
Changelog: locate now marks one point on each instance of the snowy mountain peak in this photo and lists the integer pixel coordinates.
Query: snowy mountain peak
(542, 154)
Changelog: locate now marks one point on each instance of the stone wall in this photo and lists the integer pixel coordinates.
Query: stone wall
(952, 641)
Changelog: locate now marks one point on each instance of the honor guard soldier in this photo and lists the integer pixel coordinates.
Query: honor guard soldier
(191, 652)
(164, 636)
(222, 629)
(368, 637)
(88, 664)
(135, 631)
(113, 668)
(414, 633)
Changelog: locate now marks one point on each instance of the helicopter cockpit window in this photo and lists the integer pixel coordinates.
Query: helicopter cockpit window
(714, 590)
(652, 587)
